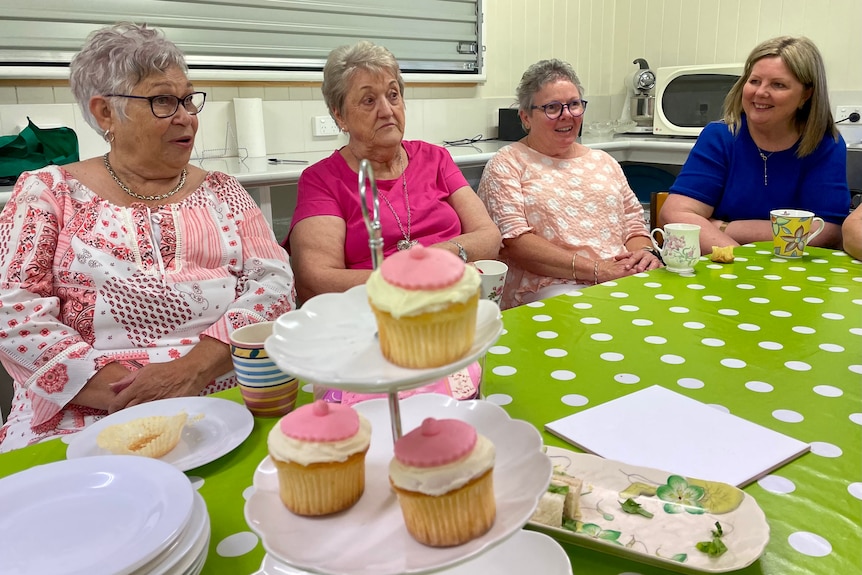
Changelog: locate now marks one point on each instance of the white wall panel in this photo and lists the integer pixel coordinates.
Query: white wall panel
(602, 37)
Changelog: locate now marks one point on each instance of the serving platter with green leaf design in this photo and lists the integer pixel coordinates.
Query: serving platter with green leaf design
(684, 512)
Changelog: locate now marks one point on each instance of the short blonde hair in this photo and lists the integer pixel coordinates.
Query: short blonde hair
(342, 64)
(803, 59)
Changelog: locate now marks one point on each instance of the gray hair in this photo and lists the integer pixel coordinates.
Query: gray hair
(117, 58)
(342, 64)
(541, 73)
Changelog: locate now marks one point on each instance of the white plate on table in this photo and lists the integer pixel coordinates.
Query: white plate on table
(370, 537)
(524, 552)
(223, 426)
(93, 515)
(332, 340)
(181, 556)
(668, 539)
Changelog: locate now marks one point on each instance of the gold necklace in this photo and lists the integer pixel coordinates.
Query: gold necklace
(764, 156)
(135, 195)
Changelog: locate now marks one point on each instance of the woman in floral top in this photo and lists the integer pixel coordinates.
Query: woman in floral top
(567, 214)
(122, 277)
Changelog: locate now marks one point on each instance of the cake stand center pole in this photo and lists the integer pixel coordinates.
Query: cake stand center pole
(375, 243)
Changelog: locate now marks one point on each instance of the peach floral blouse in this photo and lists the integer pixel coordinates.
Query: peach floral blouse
(582, 204)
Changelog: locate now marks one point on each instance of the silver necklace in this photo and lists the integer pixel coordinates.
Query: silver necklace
(764, 157)
(406, 243)
(135, 195)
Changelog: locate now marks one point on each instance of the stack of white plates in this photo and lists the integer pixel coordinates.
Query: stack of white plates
(116, 514)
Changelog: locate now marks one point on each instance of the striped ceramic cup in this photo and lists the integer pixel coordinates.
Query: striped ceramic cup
(266, 390)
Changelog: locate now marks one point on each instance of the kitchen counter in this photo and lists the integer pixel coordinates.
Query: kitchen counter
(254, 172)
(257, 175)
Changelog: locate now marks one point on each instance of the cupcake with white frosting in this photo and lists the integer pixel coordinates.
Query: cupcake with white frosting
(443, 475)
(319, 452)
(425, 301)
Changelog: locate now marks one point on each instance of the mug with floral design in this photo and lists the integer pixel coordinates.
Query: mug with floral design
(681, 248)
(493, 276)
(791, 231)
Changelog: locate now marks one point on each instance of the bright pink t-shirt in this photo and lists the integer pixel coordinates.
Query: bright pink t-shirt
(330, 188)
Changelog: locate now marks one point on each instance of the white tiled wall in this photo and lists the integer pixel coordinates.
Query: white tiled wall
(599, 37)
(602, 37)
(287, 124)
(14, 117)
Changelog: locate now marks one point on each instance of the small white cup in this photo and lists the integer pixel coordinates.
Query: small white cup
(681, 247)
(493, 276)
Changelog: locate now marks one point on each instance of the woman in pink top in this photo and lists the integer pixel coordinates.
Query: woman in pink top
(424, 198)
(567, 214)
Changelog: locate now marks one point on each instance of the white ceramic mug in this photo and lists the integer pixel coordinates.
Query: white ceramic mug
(792, 230)
(681, 248)
(493, 276)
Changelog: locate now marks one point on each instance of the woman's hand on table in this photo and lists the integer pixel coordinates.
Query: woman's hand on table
(183, 377)
(638, 261)
(154, 381)
(98, 393)
(618, 267)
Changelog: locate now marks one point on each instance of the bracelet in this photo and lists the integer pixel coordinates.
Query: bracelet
(596, 271)
(574, 271)
(462, 253)
(653, 252)
(723, 226)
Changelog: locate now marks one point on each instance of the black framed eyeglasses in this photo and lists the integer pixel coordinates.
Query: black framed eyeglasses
(166, 105)
(554, 110)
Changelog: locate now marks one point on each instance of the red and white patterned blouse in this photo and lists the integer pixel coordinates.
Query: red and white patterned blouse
(84, 282)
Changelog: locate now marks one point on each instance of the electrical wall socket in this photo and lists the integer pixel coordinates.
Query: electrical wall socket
(844, 111)
(324, 126)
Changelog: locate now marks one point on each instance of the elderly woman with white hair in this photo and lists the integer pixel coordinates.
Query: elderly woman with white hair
(425, 198)
(122, 276)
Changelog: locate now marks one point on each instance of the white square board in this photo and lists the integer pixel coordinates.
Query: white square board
(659, 428)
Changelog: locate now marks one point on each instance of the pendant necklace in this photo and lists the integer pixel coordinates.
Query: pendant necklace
(135, 195)
(764, 157)
(406, 243)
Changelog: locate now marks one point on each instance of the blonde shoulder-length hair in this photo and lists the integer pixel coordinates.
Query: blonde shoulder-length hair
(803, 59)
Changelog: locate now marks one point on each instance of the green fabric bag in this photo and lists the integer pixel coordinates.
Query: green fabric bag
(36, 148)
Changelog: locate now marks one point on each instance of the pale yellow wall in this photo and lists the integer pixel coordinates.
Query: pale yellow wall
(599, 37)
(602, 37)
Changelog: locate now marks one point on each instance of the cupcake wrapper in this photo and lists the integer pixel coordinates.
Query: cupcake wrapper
(429, 339)
(152, 436)
(321, 488)
(453, 518)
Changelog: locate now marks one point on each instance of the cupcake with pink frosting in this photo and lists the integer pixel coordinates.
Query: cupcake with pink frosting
(425, 302)
(319, 452)
(443, 475)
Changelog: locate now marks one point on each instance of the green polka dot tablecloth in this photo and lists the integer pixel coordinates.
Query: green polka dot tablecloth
(778, 342)
(774, 341)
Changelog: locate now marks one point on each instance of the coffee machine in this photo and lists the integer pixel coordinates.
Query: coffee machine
(639, 105)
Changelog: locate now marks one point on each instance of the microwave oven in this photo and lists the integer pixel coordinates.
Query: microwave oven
(687, 98)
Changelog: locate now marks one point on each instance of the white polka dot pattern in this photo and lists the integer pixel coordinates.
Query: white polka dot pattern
(771, 340)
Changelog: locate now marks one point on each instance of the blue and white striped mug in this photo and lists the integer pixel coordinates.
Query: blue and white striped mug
(266, 390)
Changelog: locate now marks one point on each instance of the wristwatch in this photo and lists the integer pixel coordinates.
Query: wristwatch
(462, 253)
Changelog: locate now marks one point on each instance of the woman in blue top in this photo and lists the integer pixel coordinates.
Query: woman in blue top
(777, 147)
